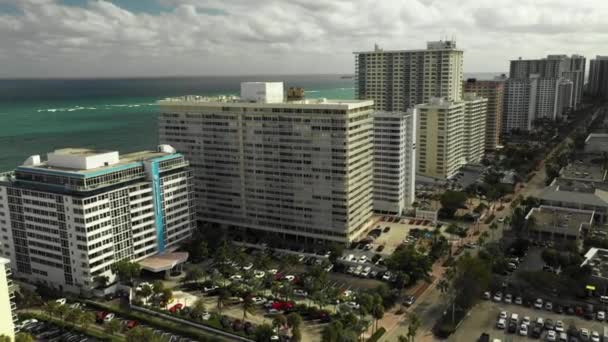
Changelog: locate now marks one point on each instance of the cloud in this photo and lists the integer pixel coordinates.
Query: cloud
(46, 38)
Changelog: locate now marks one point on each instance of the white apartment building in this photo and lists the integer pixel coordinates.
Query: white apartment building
(67, 220)
(8, 317)
(475, 112)
(519, 107)
(394, 161)
(298, 170)
(450, 135)
(535, 98)
(554, 67)
(400, 79)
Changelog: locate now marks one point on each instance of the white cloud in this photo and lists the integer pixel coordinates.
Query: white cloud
(276, 36)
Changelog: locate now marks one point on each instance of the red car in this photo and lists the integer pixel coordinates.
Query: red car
(176, 307)
(100, 315)
(132, 324)
(282, 306)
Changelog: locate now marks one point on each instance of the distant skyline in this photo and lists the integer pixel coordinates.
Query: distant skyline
(139, 38)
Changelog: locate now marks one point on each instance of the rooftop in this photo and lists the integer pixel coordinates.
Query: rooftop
(585, 169)
(560, 220)
(596, 198)
(441, 45)
(235, 101)
(597, 259)
(85, 162)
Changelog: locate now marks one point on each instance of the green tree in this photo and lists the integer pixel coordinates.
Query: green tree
(141, 334)
(51, 308)
(402, 338)
(74, 316)
(412, 328)
(101, 281)
(294, 320)
(126, 270)
(279, 321)
(411, 262)
(452, 201)
(24, 337)
(112, 327)
(198, 308)
(296, 335)
(194, 274)
(263, 333)
(4, 338)
(87, 319)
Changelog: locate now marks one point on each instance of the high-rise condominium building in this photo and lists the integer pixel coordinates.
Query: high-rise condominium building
(519, 104)
(598, 77)
(394, 161)
(400, 79)
(68, 219)
(8, 317)
(555, 67)
(493, 91)
(535, 98)
(450, 135)
(295, 169)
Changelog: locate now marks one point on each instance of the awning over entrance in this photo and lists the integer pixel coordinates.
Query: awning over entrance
(163, 262)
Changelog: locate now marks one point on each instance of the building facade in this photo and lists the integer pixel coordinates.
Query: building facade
(519, 104)
(494, 92)
(394, 161)
(400, 79)
(8, 316)
(598, 77)
(68, 219)
(554, 67)
(295, 169)
(450, 135)
(475, 118)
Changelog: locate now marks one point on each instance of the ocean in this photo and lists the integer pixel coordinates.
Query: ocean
(38, 116)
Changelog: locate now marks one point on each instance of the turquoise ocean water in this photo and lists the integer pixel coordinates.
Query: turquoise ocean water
(38, 116)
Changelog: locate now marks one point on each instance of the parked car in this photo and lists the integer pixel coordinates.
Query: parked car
(601, 315)
(61, 301)
(595, 336)
(548, 306)
(409, 300)
(508, 298)
(551, 336)
(538, 303)
(518, 300)
(175, 308)
(523, 330)
(501, 323)
(498, 296)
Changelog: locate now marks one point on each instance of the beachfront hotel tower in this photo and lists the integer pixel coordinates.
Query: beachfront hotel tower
(300, 170)
(66, 220)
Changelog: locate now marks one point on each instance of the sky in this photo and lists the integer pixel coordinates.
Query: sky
(125, 38)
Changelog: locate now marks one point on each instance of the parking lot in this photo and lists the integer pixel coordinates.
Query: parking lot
(483, 317)
(399, 229)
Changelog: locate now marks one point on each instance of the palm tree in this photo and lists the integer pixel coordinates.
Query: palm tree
(279, 321)
(493, 227)
(412, 329)
(294, 320)
(248, 306)
(377, 313)
(222, 296)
